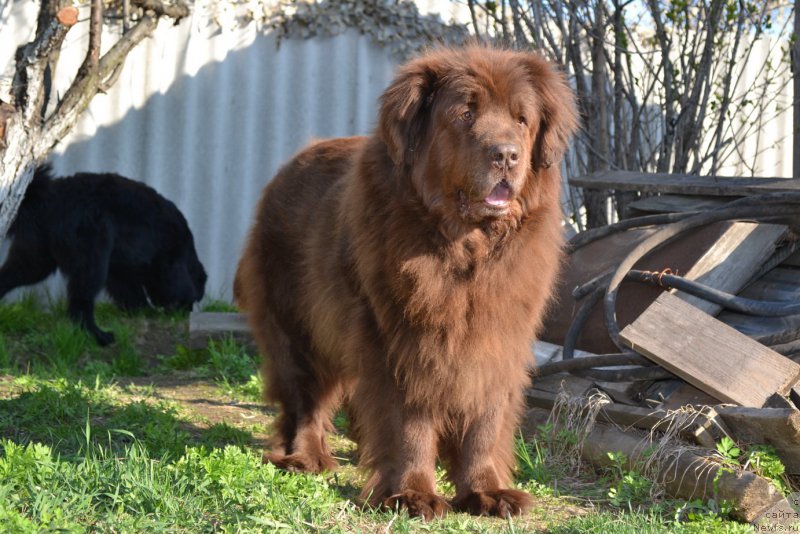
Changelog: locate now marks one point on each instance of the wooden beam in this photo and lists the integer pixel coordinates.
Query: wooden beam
(705, 430)
(779, 427)
(683, 184)
(204, 326)
(733, 260)
(678, 203)
(686, 475)
(708, 354)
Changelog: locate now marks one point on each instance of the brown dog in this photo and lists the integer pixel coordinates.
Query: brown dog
(407, 273)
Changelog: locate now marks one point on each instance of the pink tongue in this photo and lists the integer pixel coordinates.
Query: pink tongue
(499, 195)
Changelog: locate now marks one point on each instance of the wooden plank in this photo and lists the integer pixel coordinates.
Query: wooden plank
(733, 260)
(779, 427)
(683, 184)
(624, 415)
(708, 354)
(213, 325)
(677, 203)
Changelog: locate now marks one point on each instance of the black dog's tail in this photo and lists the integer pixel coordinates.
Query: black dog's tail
(42, 177)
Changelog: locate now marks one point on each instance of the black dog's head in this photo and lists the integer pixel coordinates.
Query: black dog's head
(180, 282)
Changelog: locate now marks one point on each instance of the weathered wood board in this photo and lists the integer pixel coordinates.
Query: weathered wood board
(214, 325)
(708, 354)
(678, 203)
(683, 184)
(736, 256)
(705, 429)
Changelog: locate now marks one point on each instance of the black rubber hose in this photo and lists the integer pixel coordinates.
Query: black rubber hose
(601, 280)
(635, 374)
(586, 307)
(589, 236)
(721, 298)
(584, 366)
(757, 207)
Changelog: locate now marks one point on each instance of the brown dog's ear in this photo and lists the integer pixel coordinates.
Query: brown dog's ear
(404, 107)
(558, 115)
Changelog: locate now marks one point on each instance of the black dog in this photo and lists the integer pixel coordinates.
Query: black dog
(103, 230)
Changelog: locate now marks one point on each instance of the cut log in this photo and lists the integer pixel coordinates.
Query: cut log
(67, 16)
(709, 354)
(687, 475)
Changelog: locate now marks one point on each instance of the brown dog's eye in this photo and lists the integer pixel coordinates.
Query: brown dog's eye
(467, 116)
(522, 120)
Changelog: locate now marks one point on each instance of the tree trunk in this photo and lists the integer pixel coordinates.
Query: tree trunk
(599, 148)
(27, 133)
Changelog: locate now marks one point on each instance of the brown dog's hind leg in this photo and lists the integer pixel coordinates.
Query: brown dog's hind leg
(302, 427)
(306, 400)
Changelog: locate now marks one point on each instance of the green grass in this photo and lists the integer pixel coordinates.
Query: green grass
(144, 437)
(218, 305)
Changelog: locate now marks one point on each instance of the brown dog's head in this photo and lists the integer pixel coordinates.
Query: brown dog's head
(477, 128)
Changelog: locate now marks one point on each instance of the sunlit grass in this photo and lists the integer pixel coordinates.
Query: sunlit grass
(81, 451)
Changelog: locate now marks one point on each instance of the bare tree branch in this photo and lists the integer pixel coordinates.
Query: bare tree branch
(27, 133)
(32, 60)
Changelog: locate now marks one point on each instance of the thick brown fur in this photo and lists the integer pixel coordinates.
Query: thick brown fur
(383, 271)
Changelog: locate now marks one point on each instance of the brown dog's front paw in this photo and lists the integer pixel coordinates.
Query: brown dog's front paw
(300, 463)
(418, 504)
(502, 503)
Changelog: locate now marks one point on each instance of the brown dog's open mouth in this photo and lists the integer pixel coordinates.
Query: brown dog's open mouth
(500, 196)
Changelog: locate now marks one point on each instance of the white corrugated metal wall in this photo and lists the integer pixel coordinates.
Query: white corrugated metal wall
(206, 117)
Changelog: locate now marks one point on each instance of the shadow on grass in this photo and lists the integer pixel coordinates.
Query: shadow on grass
(43, 341)
(67, 416)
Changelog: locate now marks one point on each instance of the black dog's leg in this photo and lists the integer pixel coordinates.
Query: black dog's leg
(28, 263)
(86, 268)
(82, 289)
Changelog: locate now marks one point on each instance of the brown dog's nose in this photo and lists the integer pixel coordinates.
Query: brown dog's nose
(505, 156)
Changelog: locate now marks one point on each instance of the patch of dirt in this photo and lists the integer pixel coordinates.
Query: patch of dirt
(203, 403)
(156, 338)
